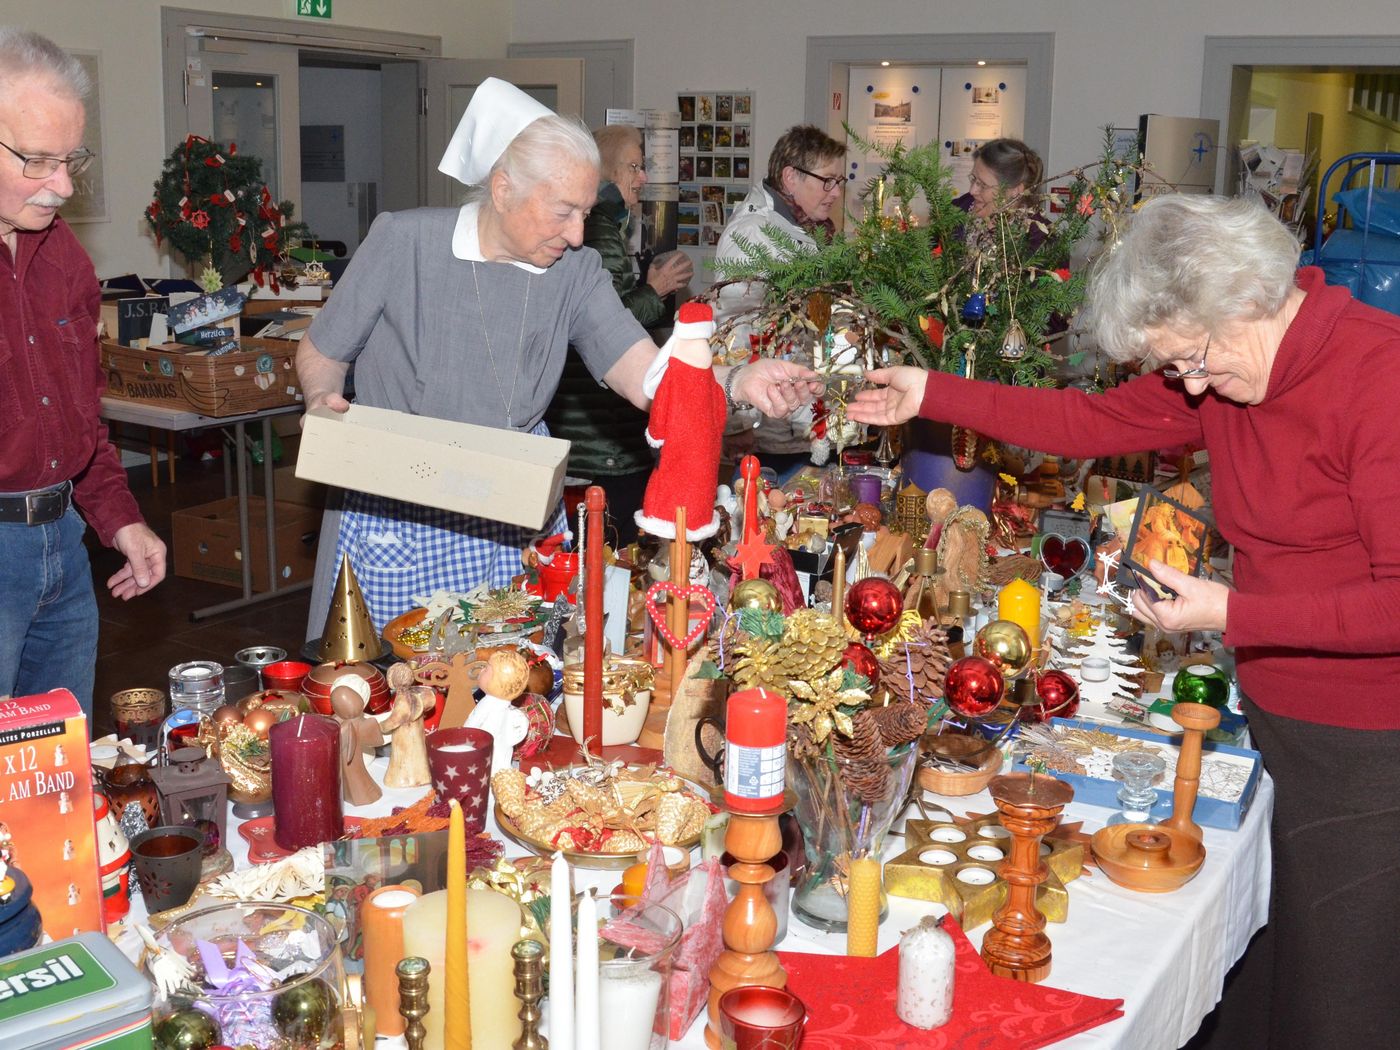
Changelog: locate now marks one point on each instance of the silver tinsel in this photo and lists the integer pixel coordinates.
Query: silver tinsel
(133, 822)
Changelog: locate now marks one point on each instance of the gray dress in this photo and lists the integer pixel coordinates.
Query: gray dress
(476, 342)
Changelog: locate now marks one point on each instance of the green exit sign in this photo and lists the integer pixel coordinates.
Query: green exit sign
(314, 9)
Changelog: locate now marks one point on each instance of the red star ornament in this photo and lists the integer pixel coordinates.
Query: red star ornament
(751, 555)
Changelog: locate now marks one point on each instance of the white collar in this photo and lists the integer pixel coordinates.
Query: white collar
(466, 241)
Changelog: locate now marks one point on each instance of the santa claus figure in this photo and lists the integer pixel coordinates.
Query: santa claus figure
(687, 425)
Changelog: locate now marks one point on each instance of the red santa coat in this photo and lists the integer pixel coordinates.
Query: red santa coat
(687, 425)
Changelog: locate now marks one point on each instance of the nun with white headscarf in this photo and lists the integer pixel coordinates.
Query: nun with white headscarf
(467, 314)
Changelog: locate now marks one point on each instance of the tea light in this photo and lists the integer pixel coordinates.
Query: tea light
(947, 835)
(937, 857)
(994, 831)
(985, 852)
(977, 876)
(1094, 669)
(677, 859)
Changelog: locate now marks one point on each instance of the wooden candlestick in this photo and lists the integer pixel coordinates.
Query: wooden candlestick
(596, 501)
(413, 975)
(1163, 857)
(529, 987)
(679, 611)
(749, 922)
(1029, 806)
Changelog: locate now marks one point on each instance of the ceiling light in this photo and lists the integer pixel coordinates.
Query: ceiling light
(885, 63)
(981, 61)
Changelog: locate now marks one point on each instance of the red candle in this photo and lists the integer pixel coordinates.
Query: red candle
(596, 501)
(306, 781)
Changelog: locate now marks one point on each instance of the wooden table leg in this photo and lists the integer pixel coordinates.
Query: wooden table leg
(155, 456)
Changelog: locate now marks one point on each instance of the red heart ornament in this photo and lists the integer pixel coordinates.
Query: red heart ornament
(658, 591)
(1067, 557)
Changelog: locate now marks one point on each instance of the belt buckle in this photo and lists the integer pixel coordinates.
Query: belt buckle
(40, 508)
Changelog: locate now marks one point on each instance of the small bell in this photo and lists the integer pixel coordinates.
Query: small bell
(974, 311)
(1014, 342)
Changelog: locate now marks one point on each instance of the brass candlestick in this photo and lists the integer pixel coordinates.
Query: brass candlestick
(413, 998)
(1029, 806)
(749, 923)
(529, 987)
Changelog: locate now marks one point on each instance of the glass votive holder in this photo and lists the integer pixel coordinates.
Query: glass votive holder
(239, 681)
(636, 946)
(137, 714)
(758, 1018)
(197, 685)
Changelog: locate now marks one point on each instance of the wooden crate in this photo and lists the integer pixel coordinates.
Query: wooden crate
(262, 375)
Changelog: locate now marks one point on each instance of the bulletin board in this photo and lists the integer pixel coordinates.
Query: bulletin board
(978, 104)
(715, 164)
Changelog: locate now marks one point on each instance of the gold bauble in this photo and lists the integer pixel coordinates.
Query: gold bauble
(756, 594)
(1006, 645)
(260, 720)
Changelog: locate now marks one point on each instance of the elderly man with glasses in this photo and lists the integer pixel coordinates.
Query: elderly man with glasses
(54, 451)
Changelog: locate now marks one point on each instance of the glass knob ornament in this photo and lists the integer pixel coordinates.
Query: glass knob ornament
(974, 311)
(1137, 795)
(874, 606)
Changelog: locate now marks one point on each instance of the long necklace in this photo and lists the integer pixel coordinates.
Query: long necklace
(490, 354)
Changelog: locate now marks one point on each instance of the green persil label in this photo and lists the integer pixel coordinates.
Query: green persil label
(59, 973)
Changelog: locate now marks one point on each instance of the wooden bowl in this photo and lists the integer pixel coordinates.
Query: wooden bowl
(963, 748)
(1147, 858)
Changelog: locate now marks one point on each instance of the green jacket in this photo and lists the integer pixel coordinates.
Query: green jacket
(607, 431)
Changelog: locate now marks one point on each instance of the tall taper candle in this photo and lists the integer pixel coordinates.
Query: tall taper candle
(561, 957)
(587, 1033)
(457, 1017)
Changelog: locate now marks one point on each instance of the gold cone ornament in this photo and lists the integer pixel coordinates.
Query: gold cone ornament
(349, 633)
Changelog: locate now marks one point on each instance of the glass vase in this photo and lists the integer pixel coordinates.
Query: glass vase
(845, 808)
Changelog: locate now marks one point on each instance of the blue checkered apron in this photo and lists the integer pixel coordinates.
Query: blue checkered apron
(399, 549)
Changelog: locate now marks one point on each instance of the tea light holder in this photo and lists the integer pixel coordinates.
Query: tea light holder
(1095, 669)
(256, 657)
(197, 685)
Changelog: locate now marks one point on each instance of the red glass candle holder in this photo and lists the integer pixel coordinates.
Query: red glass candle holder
(755, 1017)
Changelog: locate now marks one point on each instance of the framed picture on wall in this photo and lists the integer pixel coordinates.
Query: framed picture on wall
(89, 200)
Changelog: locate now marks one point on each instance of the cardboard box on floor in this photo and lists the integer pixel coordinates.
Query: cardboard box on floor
(206, 542)
(491, 473)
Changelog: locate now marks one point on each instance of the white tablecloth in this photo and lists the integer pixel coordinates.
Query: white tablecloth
(1164, 955)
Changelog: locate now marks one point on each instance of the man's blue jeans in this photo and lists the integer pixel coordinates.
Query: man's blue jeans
(48, 612)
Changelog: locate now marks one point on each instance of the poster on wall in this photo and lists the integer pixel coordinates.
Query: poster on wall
(978, 104)
(655, 231)
(891, 105)
(89, 200)
(715, 164)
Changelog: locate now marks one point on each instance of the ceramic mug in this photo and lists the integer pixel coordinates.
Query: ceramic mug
(168, 860)
(759, 1018)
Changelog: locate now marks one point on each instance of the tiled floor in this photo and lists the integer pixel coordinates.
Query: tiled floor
(140, 640)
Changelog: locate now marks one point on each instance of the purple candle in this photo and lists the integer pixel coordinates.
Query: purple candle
(865, 488)
(306, 781)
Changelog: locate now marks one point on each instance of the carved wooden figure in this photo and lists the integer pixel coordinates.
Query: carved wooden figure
(408, 755)
(357, 732)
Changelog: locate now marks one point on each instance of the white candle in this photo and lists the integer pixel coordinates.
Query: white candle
(586, 1030)
(561, 957)
(926, 958)
(627, 998)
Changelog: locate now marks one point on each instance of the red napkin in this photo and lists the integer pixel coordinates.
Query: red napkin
(850, 1005)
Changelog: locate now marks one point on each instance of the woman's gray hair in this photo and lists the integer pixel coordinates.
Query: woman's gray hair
(1190, 263)
(24, 53)
(539, 152)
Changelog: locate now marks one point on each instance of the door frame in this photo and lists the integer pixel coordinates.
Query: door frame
(829, 59)
(1224, 53)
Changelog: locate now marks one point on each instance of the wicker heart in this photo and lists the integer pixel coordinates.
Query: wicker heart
(658, 591)
(1067, 557)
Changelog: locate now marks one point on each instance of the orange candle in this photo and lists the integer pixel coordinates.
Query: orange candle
(1019, 602)
(456, 1009)
(634, 881)
(381, 919)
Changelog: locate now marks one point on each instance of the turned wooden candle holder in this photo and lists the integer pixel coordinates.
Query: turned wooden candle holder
(1163, 857)
(749, 922)
(1029, 806)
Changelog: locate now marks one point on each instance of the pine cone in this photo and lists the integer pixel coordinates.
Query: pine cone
(801, 744)
(925, 659)
(758, 662)
(899, 723)
(867, 772)
(812, 645)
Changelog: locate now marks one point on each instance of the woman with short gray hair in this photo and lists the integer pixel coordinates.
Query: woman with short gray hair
(1293, 387)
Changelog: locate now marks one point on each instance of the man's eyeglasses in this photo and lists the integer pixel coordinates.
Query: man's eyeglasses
(1197, 369)
(829, 182)
(42, 167)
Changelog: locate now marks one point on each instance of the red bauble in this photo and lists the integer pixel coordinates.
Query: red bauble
(974, 687)
(1059, 698)
(874, 606)
(862, 661)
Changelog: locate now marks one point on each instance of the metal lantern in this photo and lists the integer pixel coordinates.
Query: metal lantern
(194, 792)
(911, 512)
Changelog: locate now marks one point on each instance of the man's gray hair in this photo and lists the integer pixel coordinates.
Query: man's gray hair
(24, 53)
(1189, 263)
(539, 152)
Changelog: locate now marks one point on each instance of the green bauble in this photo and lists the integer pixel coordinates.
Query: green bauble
(1201, 684)
(187, 1030)
(303, 1012)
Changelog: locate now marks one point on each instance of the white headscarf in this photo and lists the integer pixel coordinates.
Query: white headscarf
(496, 114)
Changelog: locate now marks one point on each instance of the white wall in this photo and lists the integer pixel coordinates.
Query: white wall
(127, 33)
(348, 98)
(1113, 60)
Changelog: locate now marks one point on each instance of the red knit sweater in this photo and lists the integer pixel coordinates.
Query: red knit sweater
(1305, 485)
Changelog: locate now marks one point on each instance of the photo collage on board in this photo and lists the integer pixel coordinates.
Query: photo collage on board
(716, 162)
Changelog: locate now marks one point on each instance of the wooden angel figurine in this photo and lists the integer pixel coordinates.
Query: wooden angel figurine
(349, 697)
(504, 678)
(408, 754)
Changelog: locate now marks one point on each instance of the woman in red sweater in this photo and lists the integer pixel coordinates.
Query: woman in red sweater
(1294, 388)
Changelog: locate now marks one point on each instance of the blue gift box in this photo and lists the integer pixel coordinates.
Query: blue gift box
(1209, 812)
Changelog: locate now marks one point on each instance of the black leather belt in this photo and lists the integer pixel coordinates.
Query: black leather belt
(37, 508)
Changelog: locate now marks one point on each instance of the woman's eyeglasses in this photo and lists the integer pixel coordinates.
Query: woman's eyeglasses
(637, 168)
(829, 182)
(1197, 369)
(978, 184)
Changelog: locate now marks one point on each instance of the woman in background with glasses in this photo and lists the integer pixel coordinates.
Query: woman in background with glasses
(1292, 387)
(806, 173)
